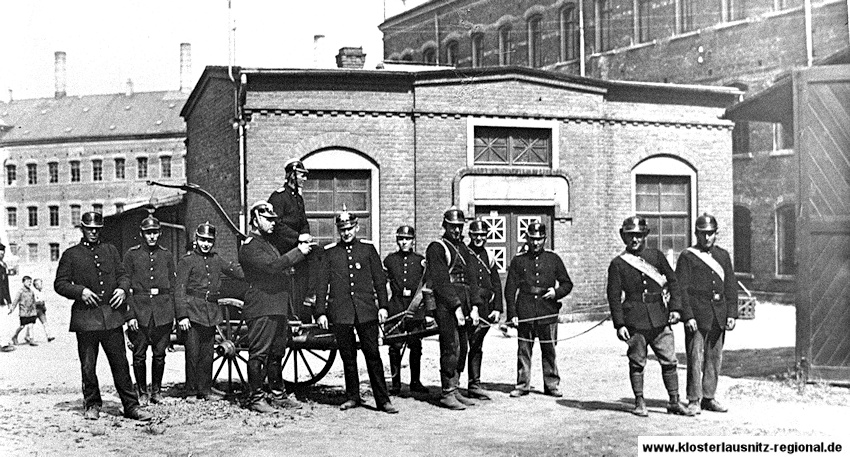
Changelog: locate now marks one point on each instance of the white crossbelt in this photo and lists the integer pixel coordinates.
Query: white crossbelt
(644, 267)
(709, 260)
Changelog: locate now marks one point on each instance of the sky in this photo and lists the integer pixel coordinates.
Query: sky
(108, 42)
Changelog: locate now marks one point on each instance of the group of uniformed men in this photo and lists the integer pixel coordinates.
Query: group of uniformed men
(347, 286)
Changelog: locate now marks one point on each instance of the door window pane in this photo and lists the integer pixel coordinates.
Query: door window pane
(512, 146)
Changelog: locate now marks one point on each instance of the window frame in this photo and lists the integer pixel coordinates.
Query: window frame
(76, 211)
(429, 55)
(452, 52)
(53, 215)
(534, 28)
(32, 252)
(12, 217)
(55, 252)
(505, 44)
(142, 163)
(120, 163)
(32, 174)
(97, 170)
(603, 13)
(335, 190)
(554, 138)
(477, 45)
(74, 173)
(644, 21)
(569, 33)
(32, 216)
(11, 174)
(52, 172)
(165, 164)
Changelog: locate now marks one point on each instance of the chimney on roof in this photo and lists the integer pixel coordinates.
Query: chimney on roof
(185, 68)
(59, 73)
(319, 51)
(351, 58)
(129, 91)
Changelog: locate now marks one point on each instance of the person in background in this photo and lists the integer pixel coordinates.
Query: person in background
(25, 302)
(5, 300)
(41, 307)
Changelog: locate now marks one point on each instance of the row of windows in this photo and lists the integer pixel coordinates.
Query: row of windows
(32, 253)
(32, 215)
(97, 174)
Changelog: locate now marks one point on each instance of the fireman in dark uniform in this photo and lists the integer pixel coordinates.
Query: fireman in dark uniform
(91, 274)
(266, 309)
(292, 228)
(638, 281)
(352, 280)
(198, 314)
(405, 269)
(452, 276)
(492, 305)
(151, 303)
(537, 279)
(709, 309)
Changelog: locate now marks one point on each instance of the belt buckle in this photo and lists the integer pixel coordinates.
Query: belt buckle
(716, 297)
(207, 295)
(154, 292)
(643, 296)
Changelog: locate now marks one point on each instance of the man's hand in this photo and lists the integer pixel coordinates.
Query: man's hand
(691, 325)
(305, 246)
(550, 294)
(474, 316)
(382, 315)
(323, 322)
(184, 324)
(673, 318)
(133, 324)
(90, 298)
(461, 319)
(494, 316)
(305, 237)
(623, 333)
(730, 323)
(429, 320)
(117, 299)
(514, 321)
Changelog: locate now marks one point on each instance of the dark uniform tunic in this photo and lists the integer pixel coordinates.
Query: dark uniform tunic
(530, 276)
(452, 276)
(5, 294)
(353, 287)
(490, 290)
(98, 267)
(710, 300)
(151, 303)
(636, 302)
(196, 297)
(292, 222)
(267, 308)
(404, 273)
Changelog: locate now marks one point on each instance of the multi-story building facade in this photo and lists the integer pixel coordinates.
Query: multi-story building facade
(744, 44)
(66, 155)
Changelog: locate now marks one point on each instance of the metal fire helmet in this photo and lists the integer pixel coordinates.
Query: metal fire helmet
(634, 224)
(345, 220)
(477, 227)
(149, 223)
(263, 208)
(536, 230)
(454, 216)
(706, 223)
(293, 165)
(91, 219)
(205, 230)
(405, 231)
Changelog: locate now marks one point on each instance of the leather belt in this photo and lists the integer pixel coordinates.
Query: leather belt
(211, 297)
(709, 294)
(646, 297)
(532, 290)
(457, 279)
(152, 293)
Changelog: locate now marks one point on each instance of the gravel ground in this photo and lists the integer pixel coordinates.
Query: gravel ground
(40, 403)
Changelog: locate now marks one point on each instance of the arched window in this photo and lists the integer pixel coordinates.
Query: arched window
(477, 49)
(535, 38)
(451, 53)
(429, 56)
(603, 25)
(569, 33)
(742, 221)
(407, 57)
(505, 46)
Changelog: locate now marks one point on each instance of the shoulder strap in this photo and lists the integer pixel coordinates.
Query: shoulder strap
(707, 259)
(644, 267)
(448, 254)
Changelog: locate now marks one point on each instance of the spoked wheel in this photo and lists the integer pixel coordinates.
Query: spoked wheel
(309, 356)
(231, 347)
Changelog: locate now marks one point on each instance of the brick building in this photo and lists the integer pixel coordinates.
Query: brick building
(70, 154)
(744, 44)
(509, 145)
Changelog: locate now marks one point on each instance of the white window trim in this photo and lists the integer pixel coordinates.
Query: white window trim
(553, 125)
(666, 165)
(344, 160)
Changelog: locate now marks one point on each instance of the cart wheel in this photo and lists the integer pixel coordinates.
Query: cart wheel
(306, 366)
(231, 349)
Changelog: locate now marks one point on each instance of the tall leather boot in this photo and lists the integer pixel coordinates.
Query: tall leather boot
(415, 370)
(671, 383)
(395, 370)
(157, 371)
(142, 384)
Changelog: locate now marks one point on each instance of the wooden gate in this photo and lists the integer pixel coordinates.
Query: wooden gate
(822, 127)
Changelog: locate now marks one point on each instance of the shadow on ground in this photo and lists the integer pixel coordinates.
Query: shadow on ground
(771, 363)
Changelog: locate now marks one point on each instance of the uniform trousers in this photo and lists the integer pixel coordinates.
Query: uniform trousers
(546, 334)
(453, 342)
(705, 355)
(347, 344)
(266, 337)
(661, 341)
(88, 344)
(199, 359)
(475, 335)
(415, 353)
(157, 338)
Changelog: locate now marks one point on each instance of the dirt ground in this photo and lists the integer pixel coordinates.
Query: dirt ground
(41, 404)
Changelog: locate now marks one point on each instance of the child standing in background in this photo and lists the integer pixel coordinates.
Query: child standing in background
(26, 301)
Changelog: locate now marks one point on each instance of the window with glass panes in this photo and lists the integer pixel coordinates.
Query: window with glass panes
(644, 21)
(665, 203)
(513, 146)
(32, 248)
(120, 165)
(32, 216)
(54, 216)
(97, 170)
(165, 167)
(12, 216)
(604, 25)
(451, 53)
(142, 167)
(505, 46)
(75, 171)
(32, 174)
(97, 208)
(54, 252)
(11, 174)
(325, 193)
(477, 49)
(535, 36)
(569, 33)
(75, 215)
(53, 172)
